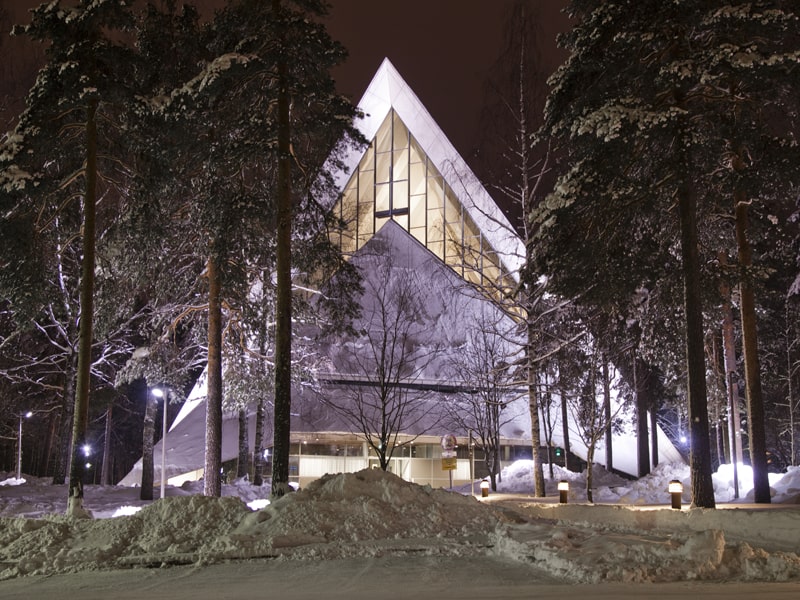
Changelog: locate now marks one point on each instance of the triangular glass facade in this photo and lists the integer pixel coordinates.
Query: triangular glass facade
(396, 180)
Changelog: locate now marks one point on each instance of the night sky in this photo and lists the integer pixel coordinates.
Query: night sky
(444, 49)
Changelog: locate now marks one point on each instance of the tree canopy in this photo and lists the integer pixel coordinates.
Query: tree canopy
(667, 110)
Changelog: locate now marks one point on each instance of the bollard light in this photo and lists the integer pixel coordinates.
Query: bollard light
(484, 489)
(676, 491)
(563, 491)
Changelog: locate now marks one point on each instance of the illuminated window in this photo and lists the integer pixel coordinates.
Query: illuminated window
(396, 181)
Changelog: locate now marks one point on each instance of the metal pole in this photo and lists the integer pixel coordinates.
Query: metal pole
(19, 449)
(733, 416)
(471, 464)
(164, 449)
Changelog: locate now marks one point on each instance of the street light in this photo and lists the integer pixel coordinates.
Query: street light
(159, 393)
(87, 453)
(27, 415)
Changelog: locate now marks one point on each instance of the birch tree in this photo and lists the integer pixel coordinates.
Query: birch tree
(520, 164)
(484, 368)
(392, 350)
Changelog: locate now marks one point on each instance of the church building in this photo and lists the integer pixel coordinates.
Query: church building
(437, 256)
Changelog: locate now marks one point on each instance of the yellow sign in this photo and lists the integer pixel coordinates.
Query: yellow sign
(449, 464)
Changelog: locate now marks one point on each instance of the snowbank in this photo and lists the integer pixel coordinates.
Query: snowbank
(375, 514)
(652, 489)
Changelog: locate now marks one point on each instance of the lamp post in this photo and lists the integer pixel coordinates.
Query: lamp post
(26, 415)
(471, 464)
(159, 393)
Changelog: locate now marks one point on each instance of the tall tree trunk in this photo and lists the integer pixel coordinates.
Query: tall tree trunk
(283, 318)
(590, 470)
(608, 433)
(653, 436)
(731, 380)
(533, 409)
(700, 455)
(244, 446)
(259, 459)
(258, 453)
(212, 481)
(83, 384)
(642, 437)
(52, 424)
(752, 367)
(790, 368)
(148, 441)
(565, 424)
(715, 355)
(732, 384)
(493, 411)
(105, 473)
(547, 424)
(64, 451)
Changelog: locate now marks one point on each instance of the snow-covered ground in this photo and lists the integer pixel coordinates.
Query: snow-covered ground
(369, 534)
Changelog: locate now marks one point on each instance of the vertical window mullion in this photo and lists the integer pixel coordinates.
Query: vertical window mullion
(425, 175)
(391, 164)
(375, 188)
(358, 195)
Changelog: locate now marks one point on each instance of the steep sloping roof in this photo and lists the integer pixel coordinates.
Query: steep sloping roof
(442, 309)
(387, 91)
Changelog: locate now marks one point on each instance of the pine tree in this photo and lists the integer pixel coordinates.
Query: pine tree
(645, 136)
(74, 91)
(214, 199)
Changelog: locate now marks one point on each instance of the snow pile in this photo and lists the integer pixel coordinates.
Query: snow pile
(34, 497)
(656, 544)
(517, 478)
(579, 555)
(355, 514)
(12, 481)
(373, 505)
(372, 514)
(651, 489)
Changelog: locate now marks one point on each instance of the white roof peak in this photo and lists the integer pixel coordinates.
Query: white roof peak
(387, 91)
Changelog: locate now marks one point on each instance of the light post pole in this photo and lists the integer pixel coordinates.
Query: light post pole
(159, 393)
(26, 415)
